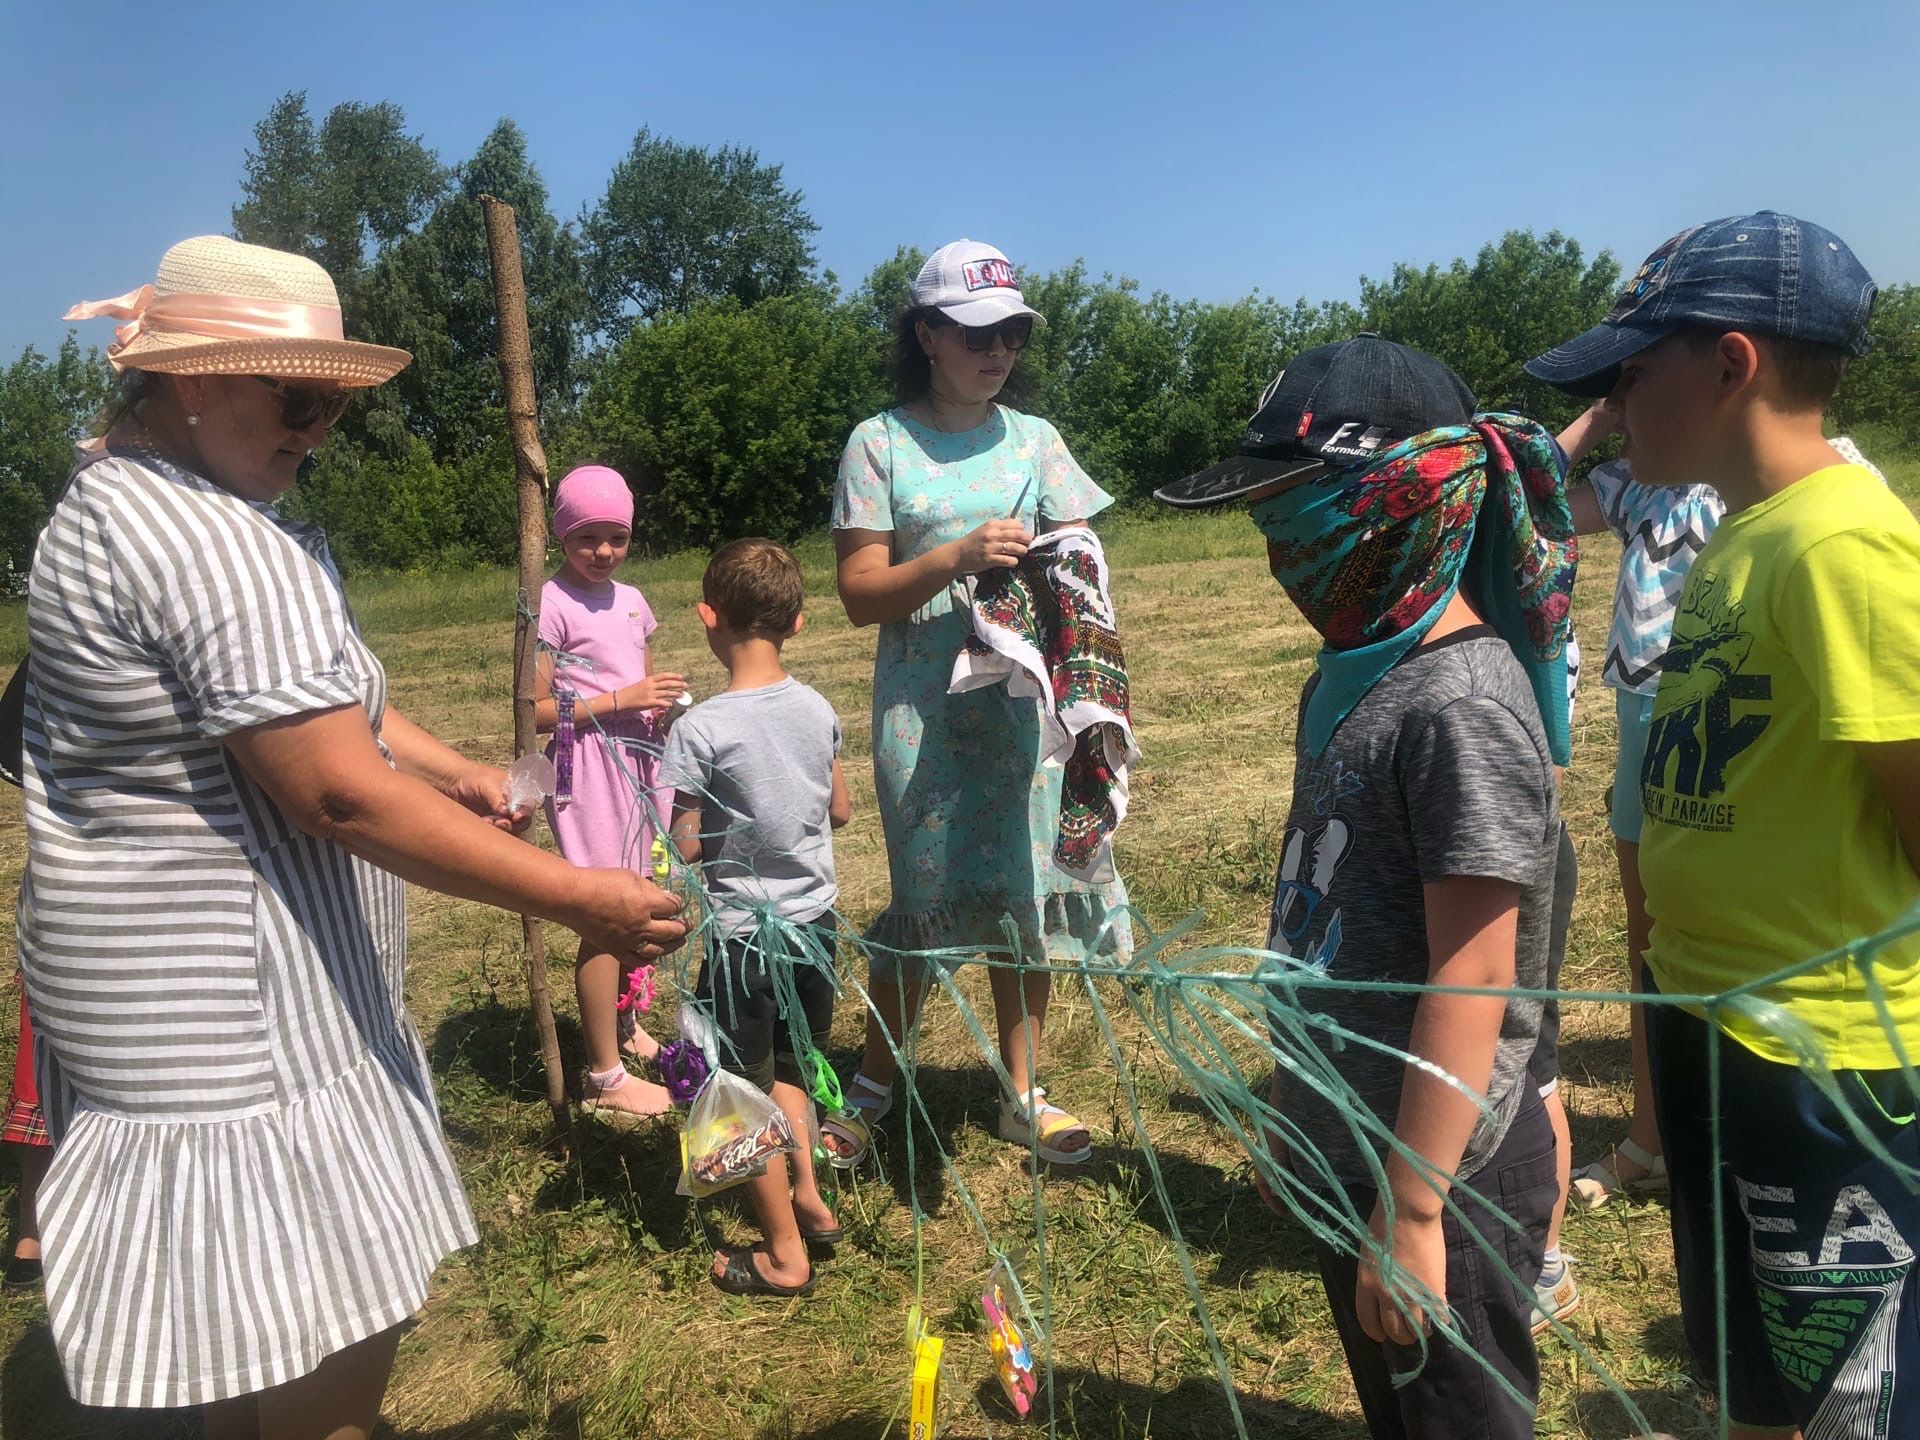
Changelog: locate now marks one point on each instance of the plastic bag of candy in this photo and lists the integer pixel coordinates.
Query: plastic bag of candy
(732, 1131)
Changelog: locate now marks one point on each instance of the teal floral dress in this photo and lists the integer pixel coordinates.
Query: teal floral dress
(969, 811)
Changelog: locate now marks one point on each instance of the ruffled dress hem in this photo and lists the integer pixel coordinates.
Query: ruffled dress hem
(1068, 926)
(259, 1245)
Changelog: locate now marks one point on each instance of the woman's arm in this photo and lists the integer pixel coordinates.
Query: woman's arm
(420, 754)
(326, 775)
(875, 590)
(471, 784)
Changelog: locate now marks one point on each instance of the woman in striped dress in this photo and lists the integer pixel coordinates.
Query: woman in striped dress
(250, 1189)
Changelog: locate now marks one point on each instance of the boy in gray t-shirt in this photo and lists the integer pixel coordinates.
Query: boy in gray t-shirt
(1431, 548)
(758, 790)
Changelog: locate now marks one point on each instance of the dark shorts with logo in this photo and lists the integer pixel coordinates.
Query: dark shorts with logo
(1821, 1322)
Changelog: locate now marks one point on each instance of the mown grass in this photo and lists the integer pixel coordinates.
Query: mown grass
(584, 1311)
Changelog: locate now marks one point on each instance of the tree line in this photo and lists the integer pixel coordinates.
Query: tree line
(685, 333)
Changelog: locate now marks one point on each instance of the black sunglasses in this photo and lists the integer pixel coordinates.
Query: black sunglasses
(302, 405)
(1013, 333)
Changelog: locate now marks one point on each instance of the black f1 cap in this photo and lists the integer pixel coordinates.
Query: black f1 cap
(1336, 406)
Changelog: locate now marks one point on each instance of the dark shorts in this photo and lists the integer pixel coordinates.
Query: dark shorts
(1822, 1325)
(1453, 1397)
(1544, 1065)
(756, 1041)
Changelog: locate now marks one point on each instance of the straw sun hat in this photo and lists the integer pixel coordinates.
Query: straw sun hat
(219, 307)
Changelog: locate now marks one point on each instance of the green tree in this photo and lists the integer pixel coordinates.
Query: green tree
(1145, 388)
(683, 223)
(339, 192)
(1230, 354)
(381, 511)
(1518, 298)
(45, 406)
(888, 288)
(1105, 367)
(1879, 401)
(730, 420)
(432, 294)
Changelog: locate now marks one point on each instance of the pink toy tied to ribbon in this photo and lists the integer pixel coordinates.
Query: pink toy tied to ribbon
(639, 991)
(222, 317)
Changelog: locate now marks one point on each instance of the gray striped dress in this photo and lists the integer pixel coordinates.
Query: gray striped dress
(249, 1173)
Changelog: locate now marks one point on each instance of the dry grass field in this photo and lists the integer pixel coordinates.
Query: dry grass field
(585, 1311)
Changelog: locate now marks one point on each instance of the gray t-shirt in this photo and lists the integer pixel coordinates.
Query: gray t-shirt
(1441, 770)
(759, 765)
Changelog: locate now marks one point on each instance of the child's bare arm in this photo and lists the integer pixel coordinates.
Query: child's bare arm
(1896, 765)
(1472, 929)
(1588, 517)
(1583, 436)
(546, 710)
(840, 806)
(1275, 1144)
(686, 827)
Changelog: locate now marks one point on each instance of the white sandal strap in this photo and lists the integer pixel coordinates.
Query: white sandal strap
(877, 1097)
(1649, 1164)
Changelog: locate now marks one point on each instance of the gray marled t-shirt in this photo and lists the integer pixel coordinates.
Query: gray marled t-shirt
(1441, 770)
(758, 764)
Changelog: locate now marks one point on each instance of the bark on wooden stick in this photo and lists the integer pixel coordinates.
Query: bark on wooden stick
(530, 472)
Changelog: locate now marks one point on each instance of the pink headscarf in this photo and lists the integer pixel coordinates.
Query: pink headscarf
(591, 495)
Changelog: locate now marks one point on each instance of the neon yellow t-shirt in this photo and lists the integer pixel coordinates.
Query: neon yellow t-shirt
(1767, 840)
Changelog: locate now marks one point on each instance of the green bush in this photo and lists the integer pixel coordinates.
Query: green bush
(397, 514)
(730, 420)
(45, 406)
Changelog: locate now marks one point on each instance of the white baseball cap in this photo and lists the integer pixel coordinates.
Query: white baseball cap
(971, 283)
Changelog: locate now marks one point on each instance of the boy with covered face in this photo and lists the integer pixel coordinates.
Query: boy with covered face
(1431, 548)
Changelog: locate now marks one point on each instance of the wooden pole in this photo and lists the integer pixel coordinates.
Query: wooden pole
(530, 473)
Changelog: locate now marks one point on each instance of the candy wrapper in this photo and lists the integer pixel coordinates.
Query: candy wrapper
(530, 782)
(1012, 1359)
(732, 1131)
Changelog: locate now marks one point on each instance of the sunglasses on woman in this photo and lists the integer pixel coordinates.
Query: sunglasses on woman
(302, 405)
(1013, 333)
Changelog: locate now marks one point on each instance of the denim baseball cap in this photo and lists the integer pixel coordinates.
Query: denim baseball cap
(1765, 274)
(1335, 407)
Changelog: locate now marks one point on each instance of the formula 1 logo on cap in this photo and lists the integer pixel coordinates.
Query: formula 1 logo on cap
(991, 274)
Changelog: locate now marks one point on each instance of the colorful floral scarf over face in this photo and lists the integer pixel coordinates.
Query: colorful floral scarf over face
(1372, 557)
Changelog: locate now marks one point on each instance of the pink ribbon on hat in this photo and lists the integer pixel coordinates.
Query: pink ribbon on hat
(217, 317)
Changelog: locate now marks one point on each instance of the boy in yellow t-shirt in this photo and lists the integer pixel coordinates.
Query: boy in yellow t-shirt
(1781, 789)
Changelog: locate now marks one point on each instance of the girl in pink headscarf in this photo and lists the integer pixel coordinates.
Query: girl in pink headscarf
(600, 699)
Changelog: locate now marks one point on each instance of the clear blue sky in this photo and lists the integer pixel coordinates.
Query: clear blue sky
(1204, 149)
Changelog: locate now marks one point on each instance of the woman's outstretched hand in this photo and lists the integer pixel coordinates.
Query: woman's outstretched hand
(624, 914)
(483, 790)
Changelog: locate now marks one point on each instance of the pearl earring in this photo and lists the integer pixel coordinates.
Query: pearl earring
(194, 418)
